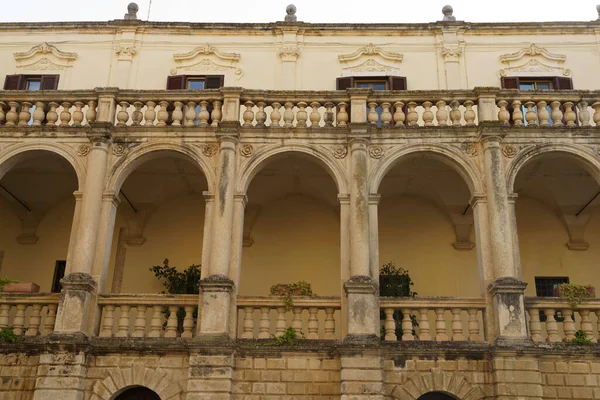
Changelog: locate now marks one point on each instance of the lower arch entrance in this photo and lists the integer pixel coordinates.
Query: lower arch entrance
(436, 396)
(138, 393)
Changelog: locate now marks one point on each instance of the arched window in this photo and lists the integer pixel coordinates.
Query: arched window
(436, 396)
(138, 393)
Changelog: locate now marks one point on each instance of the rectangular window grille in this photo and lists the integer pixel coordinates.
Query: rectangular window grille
(544, 287)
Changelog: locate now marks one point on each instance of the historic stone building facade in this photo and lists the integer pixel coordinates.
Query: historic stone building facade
(467, 153)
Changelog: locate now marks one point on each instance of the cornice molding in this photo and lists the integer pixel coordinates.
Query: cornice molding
(44, 48)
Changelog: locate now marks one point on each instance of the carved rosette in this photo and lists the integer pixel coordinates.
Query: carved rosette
(246, 150)
(119, 149)
(209, 150)
(509, 151)
(83, 150)
(340, 152)
(470, 148)
(376, 152)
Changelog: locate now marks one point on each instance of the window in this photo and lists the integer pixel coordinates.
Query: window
(544, 287)
(31, 82)
(59, 273)
(195, 82)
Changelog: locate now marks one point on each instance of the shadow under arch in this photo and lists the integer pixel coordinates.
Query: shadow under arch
(437, 396)
(18, 153)
(136, 393)
(262, 158)
(588, 161)
(445, 154)
(129, 163)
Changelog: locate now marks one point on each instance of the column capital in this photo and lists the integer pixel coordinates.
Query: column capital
(78, 281)
(477, 198)
(111, 196)
(361, 285)
(358, 142)
(343, 198)
(241, 198)
(100, 133)
(507, 285)
(209, 197)
(374, 199)
(512, 197)
(217, 283)
(358, 93)
(227, 136)
(78, 194)
(492, 131)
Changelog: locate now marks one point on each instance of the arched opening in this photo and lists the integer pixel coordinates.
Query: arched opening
(138, 393)
(36, 213)
(437, 396)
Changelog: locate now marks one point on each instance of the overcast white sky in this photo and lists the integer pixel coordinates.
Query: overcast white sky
(308, 10)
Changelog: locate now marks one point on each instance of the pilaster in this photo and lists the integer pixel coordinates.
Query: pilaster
(61, 375)
(210, 376)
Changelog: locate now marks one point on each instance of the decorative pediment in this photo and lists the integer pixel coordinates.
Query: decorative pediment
(372, 65)
(207, 59)
(44, 57)
(371, 50)
(533, 50)
(205, 50)
(535, 67)
(532, 61)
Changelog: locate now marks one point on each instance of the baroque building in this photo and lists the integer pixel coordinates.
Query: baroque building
(466, 153)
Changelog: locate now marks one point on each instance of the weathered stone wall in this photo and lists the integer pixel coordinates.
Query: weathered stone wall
(572, 378)
(17, 376)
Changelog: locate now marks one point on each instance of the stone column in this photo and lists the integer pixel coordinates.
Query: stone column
(120, 258)
(344, 200)
(74, 225)
(209, 201)
(108, 215)
(240, 202)
(374, 234)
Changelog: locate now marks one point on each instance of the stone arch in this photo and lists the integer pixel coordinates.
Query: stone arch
(446, 154)
(121, 379)
(17, 153)
(264, 156)
(127, 164)
(451, 383)
(588, 160)
(136, 392)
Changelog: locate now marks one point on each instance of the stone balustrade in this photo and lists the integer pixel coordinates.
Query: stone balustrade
(555, 320)
(148, 315)
(264, 317)
(433, 318)
(29, 314)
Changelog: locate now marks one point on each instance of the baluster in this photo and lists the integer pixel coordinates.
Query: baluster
(108, 321)
(342, 115)
(216, 113)
(399, 116)
(469, 113)
(190, 113)
(301, 115)
(281, 324)
(596, 337)
(25, 114)
(407, 325)
(329, 324)
(297, 319)
(473, 325)
(49, 320)
(140, 321)
(171, 329)
(12, 115)
(390, 325)
(556, 114)
(386, 115)
(517, 114)
(122, 115)
(595, 106)
(2, 114)
(156, 322)
(372, 116)
(264, 323)
(315, 116)
(261, 115)
(530, 115)
(427, 113)
(19, 321)
(586, 323)
(503, 114)
(584, 114)
(424, 324)
(275, 115)
(569, 115)
(440, 325)
(442, 113)
(455, 114)
(4, 313)
(38, 113)
(90, 114)
(34, 320)
(551, 326)
(248, 325)
(77, 114)
(313, 323)
(535, 326)
(543, 113)
(163, 114)
(188, 322)
(288, 115)
(177, 115)
(568, 325)
(65, 114)
(457, 326)
(248, 114)
(412, 119)
(203, 115)
(150, 114)
(123, 324)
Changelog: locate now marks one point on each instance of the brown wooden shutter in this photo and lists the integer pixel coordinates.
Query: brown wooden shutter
(509, 82)
(176, 82)
(561, 83)
(397, 83)
(344, 83)
(49, 82)
(214, 81)
(14, 82)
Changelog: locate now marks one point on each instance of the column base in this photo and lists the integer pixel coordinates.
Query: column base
(509, 307)
(363, 308)
(77, 301)
(216, 304)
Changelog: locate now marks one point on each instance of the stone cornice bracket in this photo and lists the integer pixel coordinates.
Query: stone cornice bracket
(532, 50)
(44, 48)
(371, 50)
(207, 49)
(289, 53)
(451, 53)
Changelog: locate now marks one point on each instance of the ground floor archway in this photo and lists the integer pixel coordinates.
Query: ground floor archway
(138, 393)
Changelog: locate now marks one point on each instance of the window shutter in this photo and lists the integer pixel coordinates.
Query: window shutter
(214, 81)
(14, 82)
(510, 83)
(176, 82)
(397, 83)
(49, 82)
(563, 83)
(344, 83)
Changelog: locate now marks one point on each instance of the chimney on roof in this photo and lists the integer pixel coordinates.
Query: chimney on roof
(291, 13)
(447, 11)
(132, 10)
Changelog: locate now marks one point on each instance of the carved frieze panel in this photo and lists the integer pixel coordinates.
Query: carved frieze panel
(208, 59)
(370, 60)
(533, 60)
(44, 57)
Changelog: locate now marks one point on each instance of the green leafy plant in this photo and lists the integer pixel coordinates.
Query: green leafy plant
(4, 281)
(396, 282)
(288, 338)
(287, 290)
(7, 334)
(178, 282)
(574, 293)
(581, 338)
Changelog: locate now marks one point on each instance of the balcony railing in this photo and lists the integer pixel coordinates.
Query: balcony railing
(29, 314)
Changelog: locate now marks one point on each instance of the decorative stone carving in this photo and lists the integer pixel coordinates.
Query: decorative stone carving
(534, 65)
(340, 152)
(290, 13)
(448, 11)
(370, 50)
(132, 10)
(376, 152)
(451, 53)
(509, 151)
(372, 66)
(43, 64)
(532, 50)
(206, 49)
(119, 149)
(246, 150)
(290, 53)
(211, 60)
(470, 148)
(435, 380)
(83, 150)
(125, 52)
(44, 57)
(209, 150)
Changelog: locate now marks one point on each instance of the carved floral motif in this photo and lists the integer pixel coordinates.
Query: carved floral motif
(119, 149)
(83, 150)
(209, 150)
(246, 150)
(376, 151)
(372, 66)
(451, 53)
(509, 151)
(370, 50)
(340, 152)
(470, 148)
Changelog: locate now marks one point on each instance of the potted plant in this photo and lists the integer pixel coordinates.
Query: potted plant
(12, 286)
(287, 290)
(574, 293)
(396, 282)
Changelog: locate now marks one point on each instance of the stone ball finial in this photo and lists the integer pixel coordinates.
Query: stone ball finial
(447, 11)
(291, 13)
(598, 10)
(132, 9)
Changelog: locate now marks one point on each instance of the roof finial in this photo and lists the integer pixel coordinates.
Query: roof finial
(447, 11)
(132, 10)
(598, 9)
(291, 13)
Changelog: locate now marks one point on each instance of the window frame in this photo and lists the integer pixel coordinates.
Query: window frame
(180, 82)
(20, 81)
